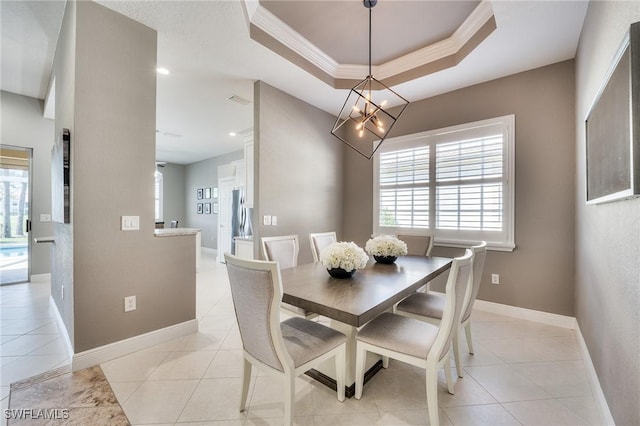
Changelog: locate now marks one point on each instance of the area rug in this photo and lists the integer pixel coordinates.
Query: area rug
(65, 397)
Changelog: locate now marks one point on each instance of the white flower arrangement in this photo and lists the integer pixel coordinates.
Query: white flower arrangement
(345, 255)
(386, 245)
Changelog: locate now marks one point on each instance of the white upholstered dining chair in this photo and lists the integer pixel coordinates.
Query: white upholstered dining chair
(284, 250)
(319, 241)
(419, 245)
(430, 306)
(286, 349)
(417, 342)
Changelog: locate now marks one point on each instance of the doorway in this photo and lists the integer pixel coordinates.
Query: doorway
(15, 214)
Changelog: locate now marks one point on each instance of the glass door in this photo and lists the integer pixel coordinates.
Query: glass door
(15, 216)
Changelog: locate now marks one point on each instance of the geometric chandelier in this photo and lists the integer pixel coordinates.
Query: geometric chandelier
(363, 122)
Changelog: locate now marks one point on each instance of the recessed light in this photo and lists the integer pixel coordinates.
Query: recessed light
(163, 71)
(232, 133)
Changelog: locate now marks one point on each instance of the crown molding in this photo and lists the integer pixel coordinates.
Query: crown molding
(343, 74)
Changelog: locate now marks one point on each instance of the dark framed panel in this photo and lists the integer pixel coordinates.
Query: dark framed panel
(200, 193)
(207, 208)
(199, 208)
(613, 128)
(61, 178)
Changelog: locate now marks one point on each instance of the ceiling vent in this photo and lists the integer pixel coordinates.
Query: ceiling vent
(239, 100)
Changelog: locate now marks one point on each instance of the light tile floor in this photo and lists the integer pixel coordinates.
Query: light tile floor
(522, 373)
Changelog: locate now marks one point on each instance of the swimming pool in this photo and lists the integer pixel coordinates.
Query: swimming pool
(14, 251)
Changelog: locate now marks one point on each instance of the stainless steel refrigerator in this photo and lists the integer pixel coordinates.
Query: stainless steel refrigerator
(240, 218)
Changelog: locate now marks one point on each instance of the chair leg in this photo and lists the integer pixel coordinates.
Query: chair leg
(361, 356)
(246, 380)
(447, 375)
(432, 394)
(467, 331)
(341, 360)
(289, 395)
(456, 353)
(385, 362)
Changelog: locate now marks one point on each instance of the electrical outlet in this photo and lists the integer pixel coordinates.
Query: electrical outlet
(274, 220)
(129, 303)
(44, 217)
(495, 279)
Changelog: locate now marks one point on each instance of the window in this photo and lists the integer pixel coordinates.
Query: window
(158, 189)
(457, 181)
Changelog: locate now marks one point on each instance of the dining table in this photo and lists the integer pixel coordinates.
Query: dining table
(350, 303)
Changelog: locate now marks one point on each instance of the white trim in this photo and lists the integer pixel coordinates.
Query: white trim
(279, 30)
(592, 376)
(62, 327)
(133, 344)
(40, 278)
(526, 314)
(209, 250)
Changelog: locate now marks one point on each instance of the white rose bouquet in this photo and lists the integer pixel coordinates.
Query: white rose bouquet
(386, 245)
(345, 255)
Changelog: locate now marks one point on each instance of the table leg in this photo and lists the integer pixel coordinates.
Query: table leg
(325, 373)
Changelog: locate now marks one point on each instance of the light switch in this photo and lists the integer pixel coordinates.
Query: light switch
(266, 220)
(274, 220)
(130, 223)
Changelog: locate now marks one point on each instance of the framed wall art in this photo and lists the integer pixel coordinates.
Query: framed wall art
(613, 128)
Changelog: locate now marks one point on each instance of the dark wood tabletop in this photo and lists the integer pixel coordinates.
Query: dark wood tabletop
(359, 299)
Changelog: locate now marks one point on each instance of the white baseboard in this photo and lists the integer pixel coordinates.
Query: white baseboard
(133, 344)
(598, 394)
(62, 327)
(209, 250)
(40, 278)
(526, 314)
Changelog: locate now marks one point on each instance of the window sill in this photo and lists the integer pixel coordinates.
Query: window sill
(493, 246)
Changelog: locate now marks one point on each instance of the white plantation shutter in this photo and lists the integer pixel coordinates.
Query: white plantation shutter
(404, 188)
(469, 184)
(468, 172)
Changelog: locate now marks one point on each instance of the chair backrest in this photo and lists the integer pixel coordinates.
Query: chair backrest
(283, 250)
(173, 224)
(457, 287)
(479, 255)
(419, 245)
(319, 241)
(256, 289)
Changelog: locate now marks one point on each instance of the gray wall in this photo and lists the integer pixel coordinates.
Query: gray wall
(539, 273)
(23, 125)
(607, 235)
(298, 168)
(105, 93)
(204, 174)
(173, 181)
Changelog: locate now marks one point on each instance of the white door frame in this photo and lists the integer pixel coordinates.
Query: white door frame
(225, 186)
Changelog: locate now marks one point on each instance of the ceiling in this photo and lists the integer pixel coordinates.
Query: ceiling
(213, 53)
